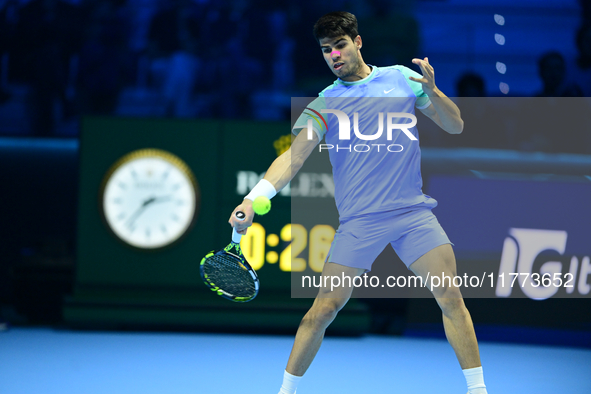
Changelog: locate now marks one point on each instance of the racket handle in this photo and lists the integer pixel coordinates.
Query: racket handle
(235, 236)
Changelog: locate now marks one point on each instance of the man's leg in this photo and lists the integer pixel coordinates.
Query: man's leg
(325, 308)
(456, 318)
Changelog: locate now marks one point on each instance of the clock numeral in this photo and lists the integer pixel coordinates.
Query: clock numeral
(175, 187)
(131, 229)
(163, 228)
(121, 216)
(117, 200)
(134, 174)
(148, 232)
(122, 185)
(174, 217)
(180, 202)
(165, 175)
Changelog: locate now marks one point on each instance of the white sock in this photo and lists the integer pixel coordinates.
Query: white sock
(475, 380)
(290, 383)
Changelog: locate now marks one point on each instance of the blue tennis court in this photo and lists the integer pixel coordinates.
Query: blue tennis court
(52, 361)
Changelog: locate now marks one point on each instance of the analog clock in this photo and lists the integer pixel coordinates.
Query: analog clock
(149, 198)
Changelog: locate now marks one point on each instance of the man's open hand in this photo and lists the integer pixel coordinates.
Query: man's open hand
(428, 79)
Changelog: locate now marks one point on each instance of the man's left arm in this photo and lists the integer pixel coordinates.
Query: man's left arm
(444, 112)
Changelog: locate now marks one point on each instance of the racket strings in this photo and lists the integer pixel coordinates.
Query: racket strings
(227, 273)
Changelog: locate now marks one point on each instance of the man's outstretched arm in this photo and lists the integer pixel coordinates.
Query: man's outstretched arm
(279, 174)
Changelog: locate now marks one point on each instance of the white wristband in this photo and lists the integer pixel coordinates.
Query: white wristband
(263, 188)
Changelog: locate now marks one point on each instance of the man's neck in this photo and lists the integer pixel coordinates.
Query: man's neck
(362, 73)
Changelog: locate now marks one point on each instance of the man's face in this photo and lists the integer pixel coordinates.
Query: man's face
(342, 55)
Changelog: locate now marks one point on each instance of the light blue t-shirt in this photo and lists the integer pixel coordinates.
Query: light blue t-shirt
(375, 172)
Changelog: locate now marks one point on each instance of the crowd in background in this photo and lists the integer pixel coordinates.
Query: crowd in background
(231, 59)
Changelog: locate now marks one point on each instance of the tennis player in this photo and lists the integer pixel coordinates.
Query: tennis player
(378, 192)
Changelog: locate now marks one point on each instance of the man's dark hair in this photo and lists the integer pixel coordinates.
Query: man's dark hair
(336, 24)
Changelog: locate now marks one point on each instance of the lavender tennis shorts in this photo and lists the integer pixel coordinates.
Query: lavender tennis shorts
(412, 233)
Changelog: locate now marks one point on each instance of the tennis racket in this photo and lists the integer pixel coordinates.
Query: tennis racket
(228, 273)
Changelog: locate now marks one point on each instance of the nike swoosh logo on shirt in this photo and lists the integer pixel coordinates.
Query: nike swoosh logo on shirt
(388, 91)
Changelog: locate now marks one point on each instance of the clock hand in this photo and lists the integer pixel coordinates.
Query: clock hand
(139, 211)
(148, 201)
(135, 215)
(162, 199)
(142, 208)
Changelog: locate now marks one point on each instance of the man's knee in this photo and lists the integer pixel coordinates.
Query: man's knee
(452, 306)
(325, 310)
(451, 302)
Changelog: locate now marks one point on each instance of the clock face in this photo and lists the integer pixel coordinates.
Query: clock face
(149, 198)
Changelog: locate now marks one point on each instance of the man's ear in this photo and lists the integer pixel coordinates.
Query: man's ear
(358, 42)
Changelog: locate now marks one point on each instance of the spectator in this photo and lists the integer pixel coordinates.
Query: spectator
(484, 126)
(7, 22)
(552, 71)
(47, 35)
(552, 123)
(581, 72)
(173, 40)
(392, 33)
(470, 85)
(106, 62)
(233, 72)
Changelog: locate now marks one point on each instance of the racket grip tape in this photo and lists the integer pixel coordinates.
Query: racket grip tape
(235, 236)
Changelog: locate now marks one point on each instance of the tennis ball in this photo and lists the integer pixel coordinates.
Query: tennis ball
(261, 205)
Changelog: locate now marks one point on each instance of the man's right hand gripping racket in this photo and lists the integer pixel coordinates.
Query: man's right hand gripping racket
(228, 273)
